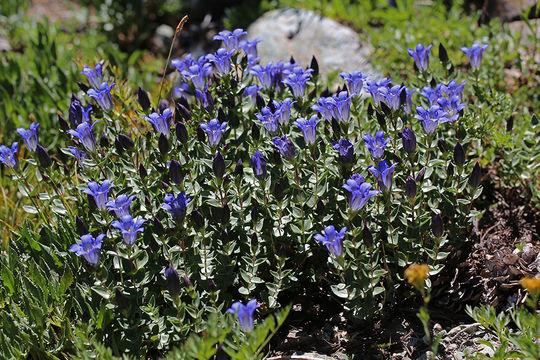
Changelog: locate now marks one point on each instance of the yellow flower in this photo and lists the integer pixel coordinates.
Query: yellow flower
(531, 284)
(416, 274)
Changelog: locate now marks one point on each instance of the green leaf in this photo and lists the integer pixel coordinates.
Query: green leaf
(66, 281)
(101, 291)
(30, 209)
(340, 290)
(8, 279)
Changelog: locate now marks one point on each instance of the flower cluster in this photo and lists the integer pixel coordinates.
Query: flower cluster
(177, 197)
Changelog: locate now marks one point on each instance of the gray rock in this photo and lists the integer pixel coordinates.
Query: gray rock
(302, 34)
(508, 9)
(4, 44)
(527, 36)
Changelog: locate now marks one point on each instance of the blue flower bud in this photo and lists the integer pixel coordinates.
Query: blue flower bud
(182, 133)
(258, 163)
(218, 165)
(121, 299)
(319, 208)
(443, 54)
(104, 141)
(175, 172)
(143, 99)
(437, 226)
(126, 142)
(212, 286)
(442, 145)
(225, 214)
(420, 176)
(181, 112)
(142, 172)
(239, 169)
(314, 66)
(411, 188)
(63, 123)
(43, 157)
(278, 191)
(367, 237)
(75, 114)
(173, 281)
(80, 226)
(197, 219)
(476, 176)
(163, 144)
(459, 155)
(409, 140)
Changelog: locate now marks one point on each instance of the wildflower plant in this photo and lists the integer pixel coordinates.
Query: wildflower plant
(208, 212)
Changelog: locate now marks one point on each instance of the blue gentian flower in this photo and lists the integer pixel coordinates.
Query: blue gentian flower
(325, 106)
(285, 146)
(30, 136)
(250, 47)
(420, 56)
(451, 108)
(391, 96)
(75, 113)
(345, 149)
(297, 79)
(252, 92)
(99, 192)
(265, 74)
(8, 156)
(342, 106)
(129, 228)
(383, 174)
(176, 205)
(269, 119)
(376, 144)
(120, 206)
(308, 127)
(332, 239)
(430, 118)
(89, 248)
(360, 192)
(198, 73)
(160, 122)
(407, 107)
(86, 113)
(452, 89)
(355, 81)
(85, 135)
(251, 62)
(182, 65)
(95, 76)
(373, 87)
(230, 39)
(283, 110)
(79, 155)
(475, 54)
(221, 60)
(103, 96)
(244, 313)
(214, 130)
(258, 163)
(204, 97)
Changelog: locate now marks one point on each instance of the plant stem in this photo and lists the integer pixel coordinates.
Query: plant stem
(178, 29)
